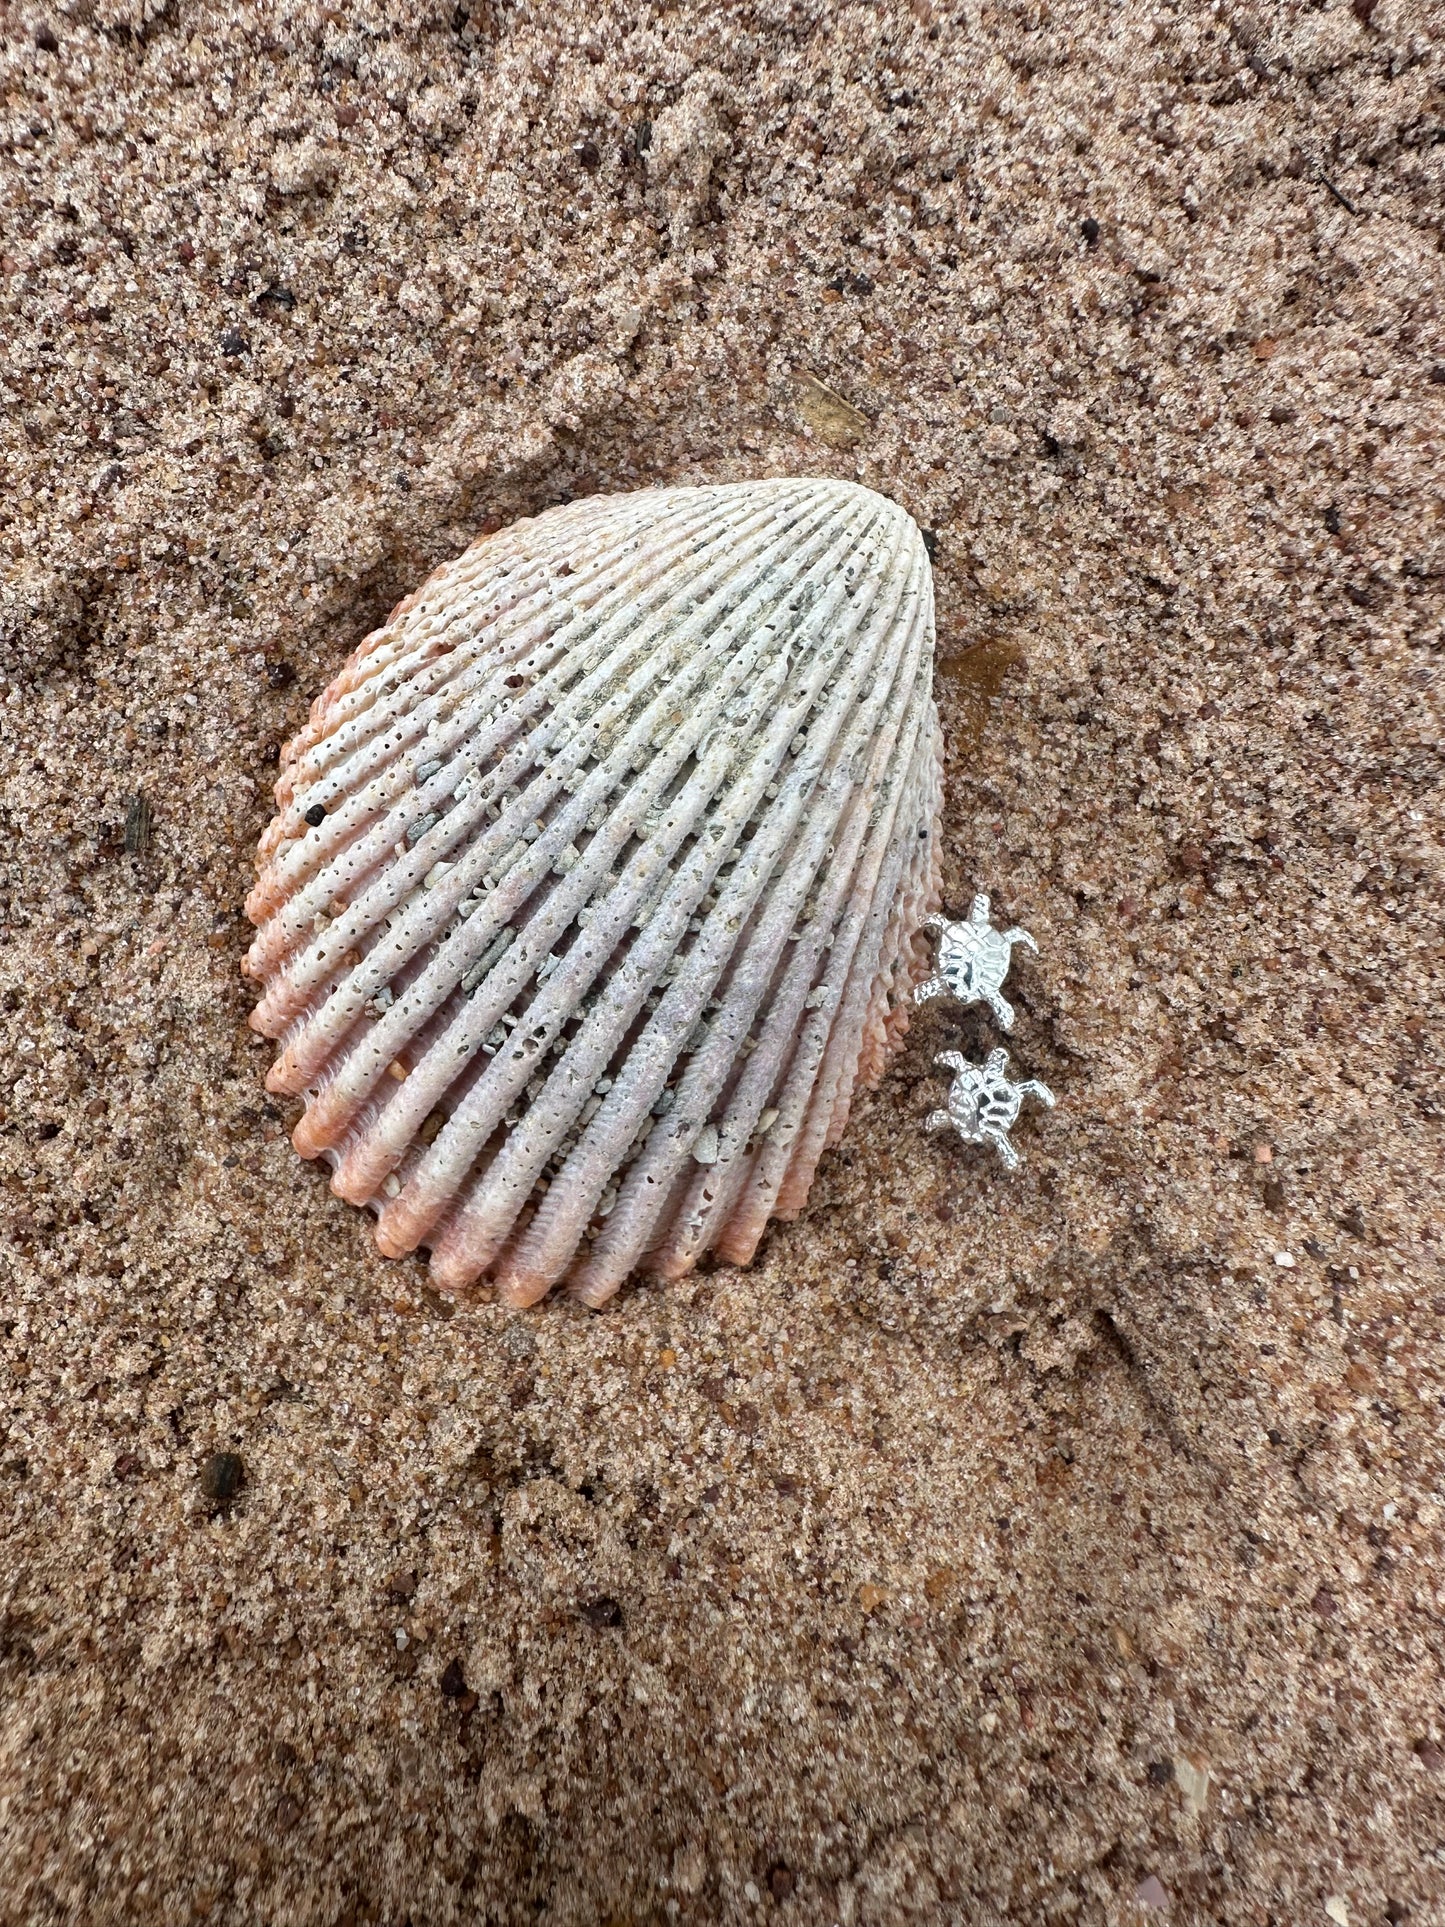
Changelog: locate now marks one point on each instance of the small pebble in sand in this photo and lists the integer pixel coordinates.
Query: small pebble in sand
(1191, 1771)
(138, 825)
(689, 1869)
(1151, 1892)
(222, 1477)
(831, 418)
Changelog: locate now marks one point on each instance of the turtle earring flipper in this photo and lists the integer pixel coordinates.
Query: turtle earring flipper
(1002, 1009)
(1033, 1088)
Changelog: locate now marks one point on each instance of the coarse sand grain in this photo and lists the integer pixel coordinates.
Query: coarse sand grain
(1055, 1547)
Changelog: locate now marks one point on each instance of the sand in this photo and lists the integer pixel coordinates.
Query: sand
(1056, 1547)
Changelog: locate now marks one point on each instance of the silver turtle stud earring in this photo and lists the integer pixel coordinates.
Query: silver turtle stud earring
(973, 960)
(983, 1104)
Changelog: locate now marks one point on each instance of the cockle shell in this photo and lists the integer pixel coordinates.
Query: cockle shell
(594, 884)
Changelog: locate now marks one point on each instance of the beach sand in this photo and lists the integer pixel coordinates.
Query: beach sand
(1055, 1547)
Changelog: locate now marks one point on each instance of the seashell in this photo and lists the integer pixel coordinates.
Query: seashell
(595, 878)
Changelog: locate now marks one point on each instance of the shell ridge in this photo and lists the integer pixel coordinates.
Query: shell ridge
(621, 592)
(623, 1240)
(624, 993)
(754, 965)
(612, 918)
(361, 757)
(349, 738)
(502, 563)
(630, 983)
(838, 1074)
(687, 504)
(561, 908)
(480, 748)
(891, 1009)
(352, 736)
(805, 1108)
(705, 964)
(386, 957)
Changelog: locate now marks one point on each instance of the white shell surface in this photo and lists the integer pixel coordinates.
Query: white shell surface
(630, 822)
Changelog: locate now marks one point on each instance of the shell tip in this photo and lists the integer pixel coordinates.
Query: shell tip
(521, 1289)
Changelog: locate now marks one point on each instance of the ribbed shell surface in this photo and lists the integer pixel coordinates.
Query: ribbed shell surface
(593, 888)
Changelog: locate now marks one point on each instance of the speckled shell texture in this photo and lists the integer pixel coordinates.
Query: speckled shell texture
(594, 886)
